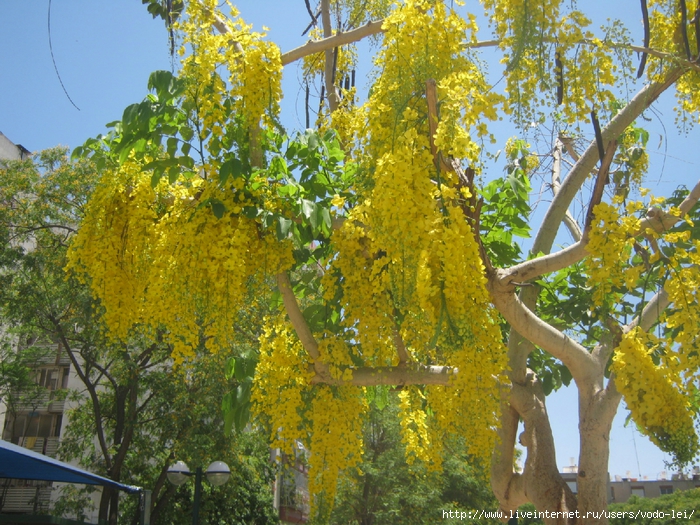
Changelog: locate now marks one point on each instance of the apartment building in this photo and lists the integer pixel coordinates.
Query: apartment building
(11, 151)
(34, 419)
(620, 489)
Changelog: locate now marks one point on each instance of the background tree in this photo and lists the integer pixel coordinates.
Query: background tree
(401, 269)
(18, 385)
(130, 419)
(386, 489)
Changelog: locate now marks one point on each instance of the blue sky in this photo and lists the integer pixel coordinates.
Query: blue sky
(104, 52)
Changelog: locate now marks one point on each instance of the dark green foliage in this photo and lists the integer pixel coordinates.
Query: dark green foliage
(389, 491)
(505, 212)
(679, 507)
(134, 414)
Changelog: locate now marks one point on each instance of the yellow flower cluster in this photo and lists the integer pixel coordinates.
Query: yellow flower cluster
(158, 258)
(683, 288)
(610, 244)
(667, 36)
(281, 382)
(407, 259)
(414, 426)
(114, 243)
(547, 53)
(327, 419)
(407, 262)
(253, 66)
(655, 394)
(657, 376)
(336, 437)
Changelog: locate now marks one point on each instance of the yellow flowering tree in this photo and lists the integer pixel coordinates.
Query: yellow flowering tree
(389, 259)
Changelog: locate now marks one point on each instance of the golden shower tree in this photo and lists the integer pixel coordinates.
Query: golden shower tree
(387, 257)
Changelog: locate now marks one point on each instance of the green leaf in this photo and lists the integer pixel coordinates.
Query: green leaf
(315, 218)
(173, 174)
(312, 139)
(218, 208)
(186, 133)
(283, 226)
(326, 221)
(242, 406)
(166, 85)
(566, 376)
(232, 166)
(129, 116)
(172, 143)
(308, 208)
(250, 212)
(547, 384)
(381, 399)
(244, 367)
(229, 368)
(278, 167)
(227, 408)
(315, 316)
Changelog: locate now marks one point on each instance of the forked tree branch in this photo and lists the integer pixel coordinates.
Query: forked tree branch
(651, 312)
(553, 262)
(586, 163)
(530, 326)
(540, 481)
(576, 252)
(656, 220)
(661, 221)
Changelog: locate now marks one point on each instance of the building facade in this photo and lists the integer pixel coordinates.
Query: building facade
(34, 419)
(621, 489)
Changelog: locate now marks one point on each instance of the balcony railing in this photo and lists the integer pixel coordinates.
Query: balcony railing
(46, 402)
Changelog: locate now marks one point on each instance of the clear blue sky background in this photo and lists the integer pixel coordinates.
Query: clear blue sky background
(105, 51)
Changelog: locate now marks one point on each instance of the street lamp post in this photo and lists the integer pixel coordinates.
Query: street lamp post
(217, 474)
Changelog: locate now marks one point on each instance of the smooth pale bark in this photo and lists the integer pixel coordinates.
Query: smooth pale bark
(596, 413)
(540, 482)
(597, 405)
(339, 39)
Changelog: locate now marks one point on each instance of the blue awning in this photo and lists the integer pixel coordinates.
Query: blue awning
(20, 463)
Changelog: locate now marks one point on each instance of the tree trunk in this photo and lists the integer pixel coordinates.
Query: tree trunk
(596, 414)
(103, 513)
(540, 481)
(114, 508)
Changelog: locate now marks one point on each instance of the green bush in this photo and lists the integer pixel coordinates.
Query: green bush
(679, 507)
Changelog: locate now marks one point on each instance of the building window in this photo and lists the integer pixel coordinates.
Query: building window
(638, 491)
(666, 489)
(53, 378)
(66, 374)
(33, 425)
